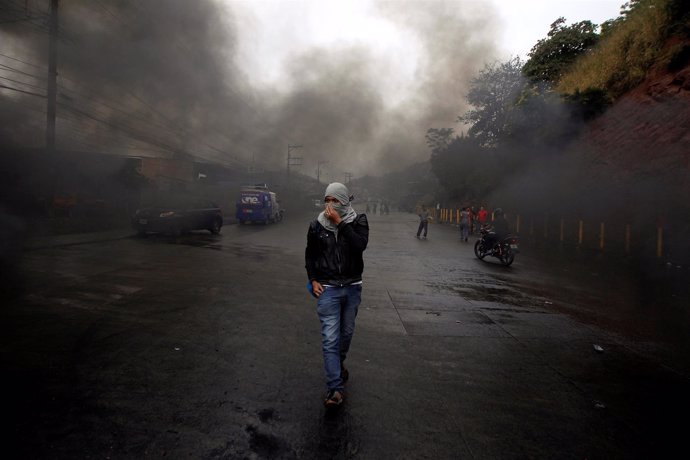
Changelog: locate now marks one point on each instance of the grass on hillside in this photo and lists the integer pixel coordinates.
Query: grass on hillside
(623, 58)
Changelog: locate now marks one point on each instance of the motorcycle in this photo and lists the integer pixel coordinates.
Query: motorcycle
(504, 250)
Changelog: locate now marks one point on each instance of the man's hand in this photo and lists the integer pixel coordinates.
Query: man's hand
(332, 215)
(317, 288)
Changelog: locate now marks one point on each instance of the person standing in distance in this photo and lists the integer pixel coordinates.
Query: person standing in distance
(336, 241)
(423, 222)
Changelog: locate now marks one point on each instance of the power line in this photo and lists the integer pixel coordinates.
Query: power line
(168, 125)
(125, 129)
(24, 6)
(22, 83)
(22, 91)
(129, 114)
(150, 15)
(12, 69)
(23, 62)
(173, 149)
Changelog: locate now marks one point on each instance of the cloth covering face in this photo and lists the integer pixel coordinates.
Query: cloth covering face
(343, 207)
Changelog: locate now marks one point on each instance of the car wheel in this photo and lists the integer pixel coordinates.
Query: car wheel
(215, 229)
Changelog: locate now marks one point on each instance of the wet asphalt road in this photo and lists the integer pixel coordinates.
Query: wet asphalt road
(209, 347)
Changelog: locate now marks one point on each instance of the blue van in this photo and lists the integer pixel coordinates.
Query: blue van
(257, 203)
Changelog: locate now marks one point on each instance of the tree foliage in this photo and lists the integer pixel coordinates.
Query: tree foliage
(438, 139)
(493, 94)
(466, 169)
(552, 56)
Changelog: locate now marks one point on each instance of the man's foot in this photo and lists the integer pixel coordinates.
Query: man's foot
(334, 398)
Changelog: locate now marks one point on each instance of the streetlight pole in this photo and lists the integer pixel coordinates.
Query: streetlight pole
(318, 170)
(292, 161)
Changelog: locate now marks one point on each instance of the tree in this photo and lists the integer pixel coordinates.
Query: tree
(551, 56)
(438, 139)
(465, 169)
(493, 94)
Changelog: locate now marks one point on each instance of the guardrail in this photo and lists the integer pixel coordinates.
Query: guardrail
(624, 238)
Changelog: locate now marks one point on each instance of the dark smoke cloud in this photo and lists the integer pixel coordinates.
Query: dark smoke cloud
(173, 63)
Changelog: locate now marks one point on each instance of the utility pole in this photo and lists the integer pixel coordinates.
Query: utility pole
(292, 161)
(348, 176)
(52, 78)
(318, 170)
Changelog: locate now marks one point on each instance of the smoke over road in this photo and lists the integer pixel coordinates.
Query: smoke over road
(166, 77)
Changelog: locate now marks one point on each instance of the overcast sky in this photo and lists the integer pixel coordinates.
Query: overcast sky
(527, 21)
(408, 64)
(357, 82)
(273, 30)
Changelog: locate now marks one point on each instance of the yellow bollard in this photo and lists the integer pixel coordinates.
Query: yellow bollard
(627, 239)
(562, 230)
(659, 242)
(602, 234)
(457, 216)
(580, 233)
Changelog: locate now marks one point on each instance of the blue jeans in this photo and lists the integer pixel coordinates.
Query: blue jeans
(464, 231)
(337, 309)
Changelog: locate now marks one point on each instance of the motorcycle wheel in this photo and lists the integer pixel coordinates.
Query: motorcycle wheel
(507, 258)
(479, 250)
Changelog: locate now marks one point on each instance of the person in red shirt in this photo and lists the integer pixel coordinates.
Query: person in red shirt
(482, 216)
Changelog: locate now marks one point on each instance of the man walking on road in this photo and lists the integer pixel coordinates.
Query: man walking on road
(336, 241)
(423, 222)
(465, 223)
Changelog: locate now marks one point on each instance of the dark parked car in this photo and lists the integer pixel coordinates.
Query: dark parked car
(179, 216)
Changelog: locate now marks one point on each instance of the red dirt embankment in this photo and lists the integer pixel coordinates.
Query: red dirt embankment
(646, 132)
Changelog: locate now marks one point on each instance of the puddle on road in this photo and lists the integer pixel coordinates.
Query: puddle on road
(502, 295)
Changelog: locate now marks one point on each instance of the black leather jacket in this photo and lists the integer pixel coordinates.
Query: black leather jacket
(337, 262)
(501, 227)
